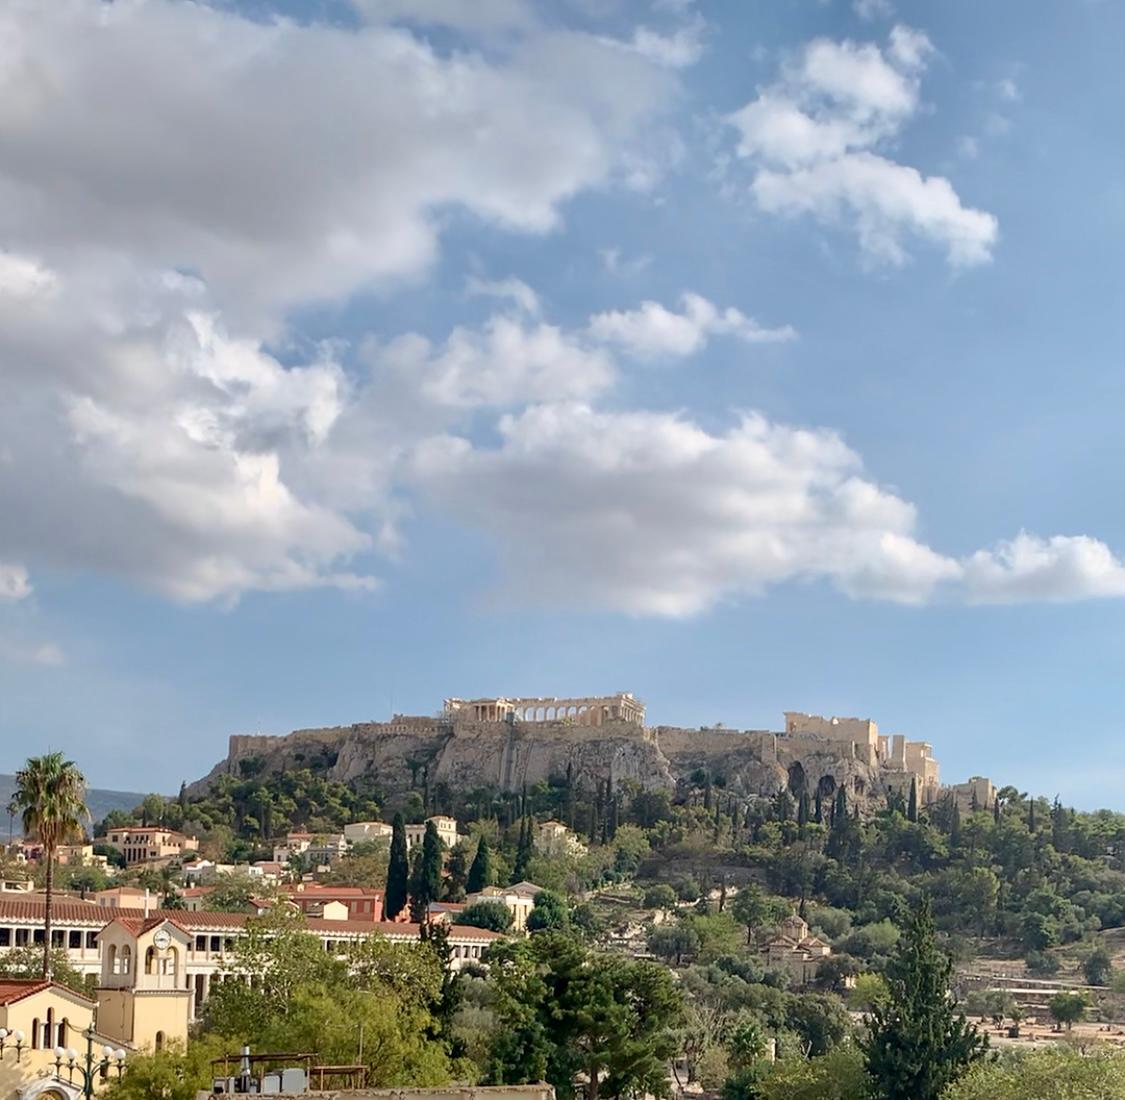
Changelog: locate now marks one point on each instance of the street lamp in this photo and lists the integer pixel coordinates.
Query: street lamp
(10, 1038)
(89, 1068)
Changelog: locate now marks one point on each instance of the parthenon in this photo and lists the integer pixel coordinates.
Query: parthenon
(583, 711)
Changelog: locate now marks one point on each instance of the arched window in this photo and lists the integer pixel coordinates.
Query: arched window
(150, 955)
(49, 1030)
(64, 1032)
(159, 1041)
(125, 961)
(111, 959)
(35, 1033)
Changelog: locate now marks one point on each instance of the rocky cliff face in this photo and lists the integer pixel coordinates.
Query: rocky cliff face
(508, 756)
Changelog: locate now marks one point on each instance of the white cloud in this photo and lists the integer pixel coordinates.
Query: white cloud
(968, 147)
(15, 584)
(814, 141)
(880, 198)
(512, 290)
(507, 363)
(873, 9)
(648, 513)
(345, 146)
(679, 49)
(653, 332)
(1061, 568)
(23, 278)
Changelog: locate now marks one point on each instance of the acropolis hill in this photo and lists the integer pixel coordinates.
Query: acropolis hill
(508, 743)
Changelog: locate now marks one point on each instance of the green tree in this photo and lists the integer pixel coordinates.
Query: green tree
(493, 915)
(425, 880)
(661, 896)
(398, 871)
(753, 907)
(50, 798)
(1060, 1073)
(232, 894)
(1067, 1009)
(918, 1043)
(674, 941)
(912, 805)
(549, 913)
(480, 870)
(602, 1017)
(1098, 967)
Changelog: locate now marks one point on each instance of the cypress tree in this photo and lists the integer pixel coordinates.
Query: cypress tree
(480, 870)
(523, 851)
(593, 822)
(912, 807)
(955, 827)
(818, 807)
(996, 810)
(612, 817)
(425, 878)
(1031, 814)
(803, 808)
(840, 814)
(707, 792)
(918, 1043)
(398, 871)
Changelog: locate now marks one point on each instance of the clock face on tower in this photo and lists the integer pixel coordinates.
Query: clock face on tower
(162, 939)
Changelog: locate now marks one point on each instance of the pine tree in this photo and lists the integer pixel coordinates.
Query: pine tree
(480, 870)
(425, 878)
(918, 1043)
(912, 807)
(398, 871)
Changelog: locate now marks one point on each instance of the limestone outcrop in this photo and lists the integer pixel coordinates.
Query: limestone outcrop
(511, 754)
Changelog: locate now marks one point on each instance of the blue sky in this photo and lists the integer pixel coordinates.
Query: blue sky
(746, 356)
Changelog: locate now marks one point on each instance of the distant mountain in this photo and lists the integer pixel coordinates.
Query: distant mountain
(100, 802)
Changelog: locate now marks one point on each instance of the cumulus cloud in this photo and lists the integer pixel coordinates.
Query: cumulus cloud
(677, 49)
(1061, 568)
(873, 9)
(653, 331)
(649, 513)
(815, 141)
(505, 363)
(330, 174)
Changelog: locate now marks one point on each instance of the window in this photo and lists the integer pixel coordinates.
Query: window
(216, 943)
(22, 935)
(38, 936)
(201, 943)
(57, 937)
(74, 942)
(91, 940)
(5, 937)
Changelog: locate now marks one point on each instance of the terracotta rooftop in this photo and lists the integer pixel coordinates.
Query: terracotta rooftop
(202, 920)
(320, 889)
(15, 989)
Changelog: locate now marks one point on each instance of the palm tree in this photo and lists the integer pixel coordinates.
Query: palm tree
(51, 799)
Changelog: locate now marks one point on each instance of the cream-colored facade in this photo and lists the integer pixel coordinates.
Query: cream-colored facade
(359, 831)
(795, 951)
(148, 844)
(978, 793)
(592, 710)
(520, 900)
(554, 839)
(36, 1017)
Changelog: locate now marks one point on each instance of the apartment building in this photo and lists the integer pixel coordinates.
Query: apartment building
(445, 826)
(360, 903)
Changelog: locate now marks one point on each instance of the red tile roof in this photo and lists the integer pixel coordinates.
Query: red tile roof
(202, 920)
(322, 890)
(15, 989)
